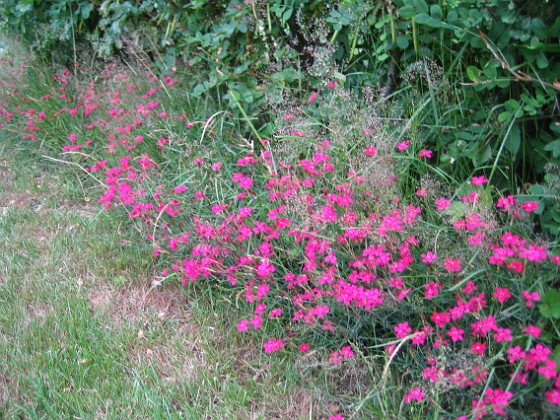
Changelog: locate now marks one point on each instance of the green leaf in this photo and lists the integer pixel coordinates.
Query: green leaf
(554, 147)
(483, 156)
(511, 105)
(452, 16)
(402, 41)
(537, 189)
(24, 6)
(504, 116)
(456, 211)
(538, 28)
(425, 19)
(490, 70)
(513, 140)
(198, 90)
(436, 12)
(473, 73)
(556, 357)
(85, 10)
(542, 61)
(550, 306)
(421, 6)
(407, 12)
(465, 135)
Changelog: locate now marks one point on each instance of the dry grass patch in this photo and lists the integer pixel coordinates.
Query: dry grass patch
(297, 404)
(138, 304)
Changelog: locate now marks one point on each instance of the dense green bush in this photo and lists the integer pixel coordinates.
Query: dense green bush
(476, 79)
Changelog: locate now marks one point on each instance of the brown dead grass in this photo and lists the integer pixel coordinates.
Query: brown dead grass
(139, 303)
(140, 306)
(297, 404)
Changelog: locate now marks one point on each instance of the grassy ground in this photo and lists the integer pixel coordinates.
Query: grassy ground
(84, 333)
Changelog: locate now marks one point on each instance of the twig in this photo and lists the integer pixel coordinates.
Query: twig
(517, 74)
(78, 165)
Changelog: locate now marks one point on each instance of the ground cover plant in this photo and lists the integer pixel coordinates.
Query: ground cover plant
(336, 239)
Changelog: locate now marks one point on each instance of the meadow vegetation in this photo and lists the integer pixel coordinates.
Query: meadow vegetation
(374, 248)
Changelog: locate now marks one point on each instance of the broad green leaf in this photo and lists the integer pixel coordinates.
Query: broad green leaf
(436, 12)
(407, 12)
(554, 147)
(85, 10)
(537, 189)
(473, 73)
(504, 116)
(421, 6)
(550, 306)
(402, 41)
(542, 61)
(490, 70)
(425, 19)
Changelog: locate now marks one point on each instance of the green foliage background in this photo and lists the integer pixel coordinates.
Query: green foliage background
(478, 78)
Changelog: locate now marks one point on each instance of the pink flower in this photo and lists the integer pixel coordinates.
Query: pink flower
(312, 97)
(217, 208)
(502, 294)
(478, 348)
(498, 399)
(265, 268)
(216, 166)
(331, 84)
(515, 353)
(440, 318)
(502, 334)
(442, 203)
(273, 345)
(371, 151)
(402, 330)
(419, 338)
(432, 290)
(275, 313)
(242, 325)
(506, 203)
(479, 180)
(553, 396)
(414, 394)
(425, 153)
(516, 266)
(530, 206)
(180, 189)
(403, 145)
(533, 331)
(303, 347)
(346, 352)
(530, 297)
(335, 358)
(455, 334)
(429, 257)
(453, 265)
